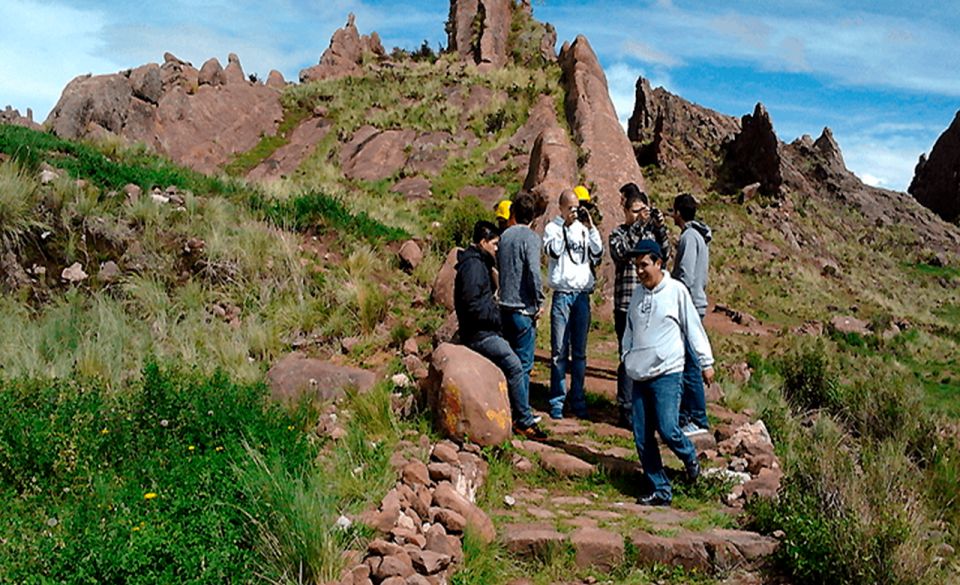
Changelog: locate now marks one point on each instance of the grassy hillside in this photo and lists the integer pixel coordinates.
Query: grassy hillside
(219, 282)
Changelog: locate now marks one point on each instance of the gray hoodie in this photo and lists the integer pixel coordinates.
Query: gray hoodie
(658, 321)
(692, 262)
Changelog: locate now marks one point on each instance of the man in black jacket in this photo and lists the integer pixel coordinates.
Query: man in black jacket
(479, 317)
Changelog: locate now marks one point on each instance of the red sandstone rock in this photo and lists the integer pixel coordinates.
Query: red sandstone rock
(442, 291)
(479, 30)
(296, 375)
(936, 180)
(597, 548)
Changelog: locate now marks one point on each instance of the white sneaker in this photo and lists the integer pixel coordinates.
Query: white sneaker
(692, 430)
(537, 418)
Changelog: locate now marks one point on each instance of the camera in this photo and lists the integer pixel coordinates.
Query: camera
(583, 212)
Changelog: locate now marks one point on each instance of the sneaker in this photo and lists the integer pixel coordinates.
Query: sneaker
(692, 430)
(537, 418)
(531, 432)
(693, 471)
(625, 421)
(653, 500)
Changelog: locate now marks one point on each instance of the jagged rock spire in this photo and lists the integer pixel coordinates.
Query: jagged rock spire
(936, 180)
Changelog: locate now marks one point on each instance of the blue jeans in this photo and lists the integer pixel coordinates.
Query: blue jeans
(520, 331)
(569, 323)
(497, 350)
(655, 407)
(693, 402)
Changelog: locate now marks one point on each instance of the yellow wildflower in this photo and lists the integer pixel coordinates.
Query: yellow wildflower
(104, 431)
(190, 448)
(149, 495)
(218, 449)
(136, 528)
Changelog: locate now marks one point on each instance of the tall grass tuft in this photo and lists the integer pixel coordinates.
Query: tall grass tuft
(18, 198)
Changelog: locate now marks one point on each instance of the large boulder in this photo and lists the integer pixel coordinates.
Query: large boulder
(442, 291)
(300, 144)
(936, 180)
(345, 54)
(478, 31)
(468, 396)
(753, 156)
(374, 156)
(167, 108)
(296, 376)
(610, 161)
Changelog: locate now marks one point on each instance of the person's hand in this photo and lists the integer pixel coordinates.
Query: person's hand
(656, 217)
(539, 313)
(708, 376)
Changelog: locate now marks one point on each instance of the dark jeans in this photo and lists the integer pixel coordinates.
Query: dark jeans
(693, 402)
(624, 383)
(497, 350)
(655, 405)
(569, 324)
(520, 331)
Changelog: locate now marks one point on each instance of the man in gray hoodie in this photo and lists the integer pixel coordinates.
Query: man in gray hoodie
(661, 323)
(691, 264)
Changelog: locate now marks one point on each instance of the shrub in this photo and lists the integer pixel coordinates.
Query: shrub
(808, 383)
(456, 225)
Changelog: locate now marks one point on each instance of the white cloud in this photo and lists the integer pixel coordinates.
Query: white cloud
(622, 83)
(648, 54)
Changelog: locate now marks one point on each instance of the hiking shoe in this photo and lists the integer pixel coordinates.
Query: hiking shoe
(693, 471)
(531, 432)
(625, 421)
(692, 430)
(537, 418)
(653, 500)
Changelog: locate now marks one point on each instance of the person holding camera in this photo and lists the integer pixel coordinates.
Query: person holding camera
(641, 222)
(574, 247)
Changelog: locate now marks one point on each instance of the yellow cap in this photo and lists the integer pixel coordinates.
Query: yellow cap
(581, 193)
(503, 209)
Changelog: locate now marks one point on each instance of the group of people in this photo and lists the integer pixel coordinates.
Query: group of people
(665, 356)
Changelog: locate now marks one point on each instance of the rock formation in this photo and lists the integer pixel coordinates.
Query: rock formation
(197, 118)
(671, 132)
(753, 156)
(9, 115)
(478, 31)
(610, 161)
(936, 180)
(345, 54)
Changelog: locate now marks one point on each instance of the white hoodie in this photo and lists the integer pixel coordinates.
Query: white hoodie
(657, 322)
(570, 251)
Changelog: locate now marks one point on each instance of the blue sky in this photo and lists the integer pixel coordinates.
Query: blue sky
(882, 75)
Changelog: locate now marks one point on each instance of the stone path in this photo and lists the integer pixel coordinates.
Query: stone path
(578, 488)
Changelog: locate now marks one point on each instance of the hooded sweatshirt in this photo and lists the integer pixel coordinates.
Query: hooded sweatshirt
(658, 320)
(693, 261)
(572, 251)
(473, 288)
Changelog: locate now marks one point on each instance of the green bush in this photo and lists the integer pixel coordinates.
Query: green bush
(321, 210)
(456, 224)
(808, 383)
(142, 487)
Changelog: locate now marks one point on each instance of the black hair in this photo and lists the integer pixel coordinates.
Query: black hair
(686, 206)
(483, 231)
(631, 193)
(523, 207)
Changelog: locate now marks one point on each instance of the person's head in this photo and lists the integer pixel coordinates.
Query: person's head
(648, 261)
(684, 208)
(635, 206)
(524, 208)
(486, 237)
(569, 204)
(503, 213)
(631, 190)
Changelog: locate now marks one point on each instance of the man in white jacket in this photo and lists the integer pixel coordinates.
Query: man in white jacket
(660, 320)
(573, 247)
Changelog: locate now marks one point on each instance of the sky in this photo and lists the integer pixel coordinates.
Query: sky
(882, 75)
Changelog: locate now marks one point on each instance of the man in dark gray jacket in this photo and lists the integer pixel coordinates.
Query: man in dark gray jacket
(691, 265)
(521, 298)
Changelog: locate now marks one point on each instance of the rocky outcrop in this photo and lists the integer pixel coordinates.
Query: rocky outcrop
(673, 133)
(753, 156)
(197, 118)
(610, 161)
(11, 116)
(373, 155)
(936, 180)
(345, 54)
(300, 144)
(296, 376)
(467, 395)
(478, 31)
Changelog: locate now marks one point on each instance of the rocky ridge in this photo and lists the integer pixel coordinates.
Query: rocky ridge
(936, 180)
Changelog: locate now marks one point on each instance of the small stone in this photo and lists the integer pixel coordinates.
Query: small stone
(74, 273)
(445, 454)
(509, 501)
(343, 523)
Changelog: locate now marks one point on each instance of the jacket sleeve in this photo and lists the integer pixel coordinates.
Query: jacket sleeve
(684, 264)
(595, 246)
(627, 344)
(477, 295)
(620, 244)
(533, 265)
(693, 330)
(553, 244)
(662, 237)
